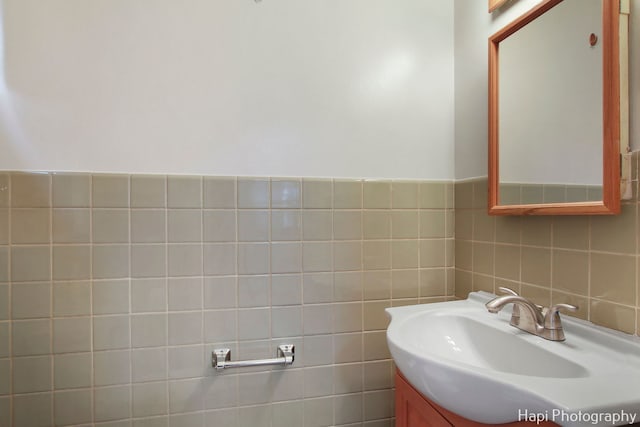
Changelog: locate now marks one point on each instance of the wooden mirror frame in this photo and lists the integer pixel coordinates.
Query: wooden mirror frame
(610, 39)
(494, 4)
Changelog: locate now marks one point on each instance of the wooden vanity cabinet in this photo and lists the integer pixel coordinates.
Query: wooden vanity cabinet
(415, 410)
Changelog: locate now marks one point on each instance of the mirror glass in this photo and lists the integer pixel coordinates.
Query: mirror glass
(550, 111)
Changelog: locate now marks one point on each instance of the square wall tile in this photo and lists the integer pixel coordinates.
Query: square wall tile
(30, 226)
(219, 193)
(184, 192)
(71, 190)
(5, 377)
(111, 367)
(110, 261)
(4, 302)
(606, 269)
(110, 226)
(29, 263)
(110, 191)
(433, 195)
(111, 332)
(186, 362)
(286, 289)
(317, 193)
(31, 374)
(253, 324)
(71, 299)
(219, 225)
(347, 317)
(148, 295)
(31, 337)
(185, 260)
(253, 226)
(4, 190)
(253, 291)
(220, 292)
(185, 293)
(378, 405)
(4, 266)
(376, 224)
(111, 296)
(71, 262)
(72, 407)
(615, 233)
(72, 335)
(570, 271)
(71, 226)
(150, 399)
(32, 410)
(286, 194)
(317, 288)
(148, 226)
(347, 194)
(220, 326)
(286, 225)
(405, 195)
(348, 408)
(149, 364)
(148, 191)
(286, 321)
(185, 328)
(4, 226)
(317, 225)
(73, 370)
(5, 340)
(377, 195)
(571, 232)
(253, 258)
(185, 396)
(347, 224)
(376, 255)
(148, 261)
(253, 193)
(615, 316)
(184, 225)
(149, 330)
(347, 256)
(31, 300)
(112, 403)
(220, 259)
(30, 190)
(286, 257)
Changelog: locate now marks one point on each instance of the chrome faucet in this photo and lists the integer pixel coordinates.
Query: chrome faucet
(532, 318)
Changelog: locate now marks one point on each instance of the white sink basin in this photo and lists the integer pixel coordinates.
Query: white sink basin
(475, 364)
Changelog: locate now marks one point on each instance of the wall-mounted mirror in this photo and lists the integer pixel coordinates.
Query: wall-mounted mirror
(555, 78)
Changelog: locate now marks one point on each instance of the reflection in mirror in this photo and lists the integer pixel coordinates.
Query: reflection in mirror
(550, 106)
(554, 110)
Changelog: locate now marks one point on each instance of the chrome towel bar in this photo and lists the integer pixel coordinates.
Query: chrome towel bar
(221, 358)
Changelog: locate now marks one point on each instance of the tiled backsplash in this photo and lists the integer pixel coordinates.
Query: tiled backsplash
(114, 290)
(589, 261)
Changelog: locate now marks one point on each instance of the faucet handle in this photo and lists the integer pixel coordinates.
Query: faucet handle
(552, 317)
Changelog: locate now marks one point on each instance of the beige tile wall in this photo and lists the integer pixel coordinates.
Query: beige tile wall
(114, 290)
(589, 261)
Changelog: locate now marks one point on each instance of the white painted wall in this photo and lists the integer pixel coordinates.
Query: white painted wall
(473, 26)
(357, 88)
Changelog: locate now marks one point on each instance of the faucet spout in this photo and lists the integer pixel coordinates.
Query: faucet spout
(531, 320)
